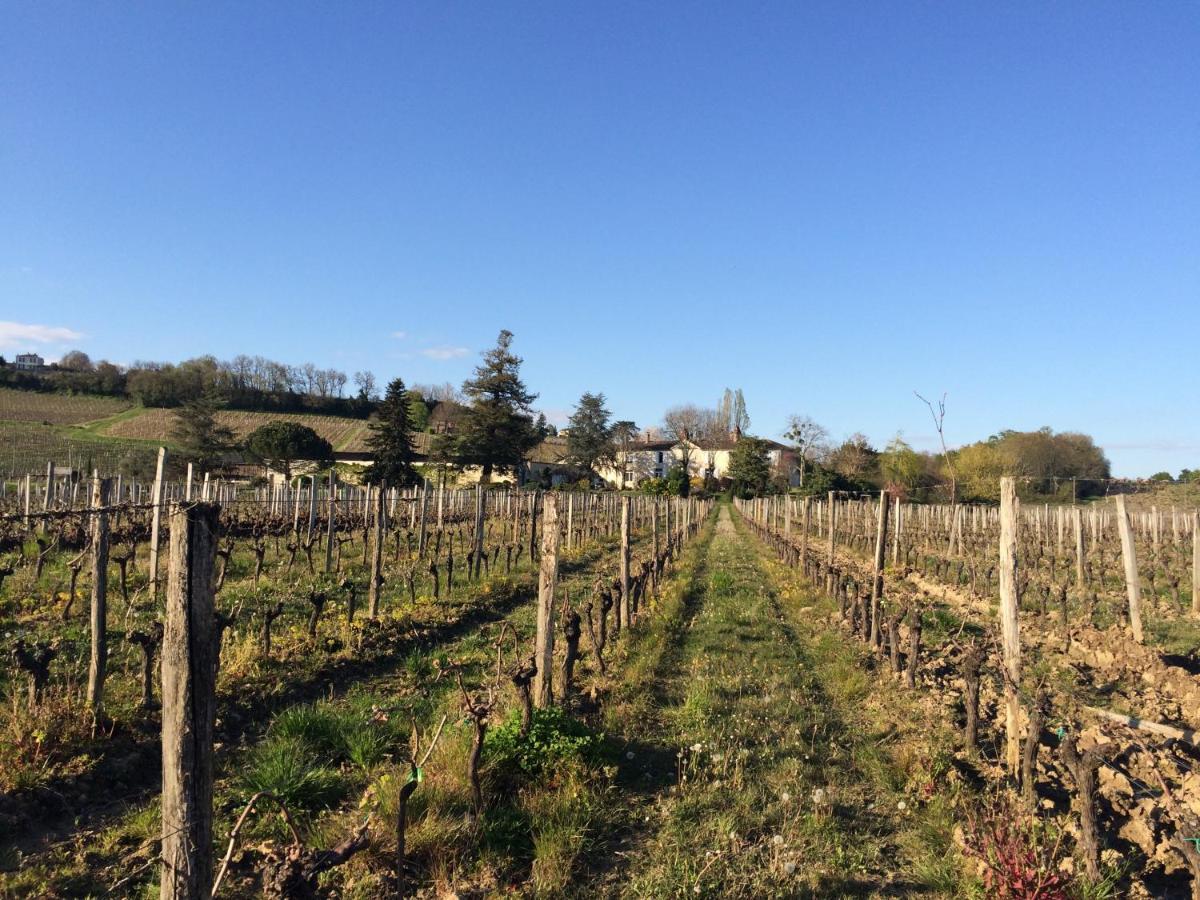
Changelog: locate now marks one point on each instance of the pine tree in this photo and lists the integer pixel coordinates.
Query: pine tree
(390, 441)
(498, 428)
(198, 432)
(749, 467)
(590, 440)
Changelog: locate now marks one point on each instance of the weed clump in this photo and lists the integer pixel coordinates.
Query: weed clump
(554, 737)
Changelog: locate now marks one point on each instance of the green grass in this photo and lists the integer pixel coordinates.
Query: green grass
(775, 785)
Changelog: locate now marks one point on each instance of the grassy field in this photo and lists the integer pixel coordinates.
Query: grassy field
(156, 425)
(57, 409)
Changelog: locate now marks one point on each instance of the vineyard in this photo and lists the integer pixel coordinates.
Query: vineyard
(157, 424)
(27, 446)
(426, 691)
(57, 409)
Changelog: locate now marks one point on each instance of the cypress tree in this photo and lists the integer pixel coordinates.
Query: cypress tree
(390, 441)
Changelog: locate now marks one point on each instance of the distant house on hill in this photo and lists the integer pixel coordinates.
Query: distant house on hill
(29, 362)
(547, 464)
(708, 458)
(445, 417)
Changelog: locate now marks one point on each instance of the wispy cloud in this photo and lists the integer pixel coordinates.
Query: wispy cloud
(445, 352)
(399, 335)
(20, 334)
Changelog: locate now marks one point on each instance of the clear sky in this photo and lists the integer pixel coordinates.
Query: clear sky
(828, 205)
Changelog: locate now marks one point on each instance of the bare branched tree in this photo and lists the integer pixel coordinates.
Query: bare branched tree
(808, 436)
(691, 425)
(939, 420)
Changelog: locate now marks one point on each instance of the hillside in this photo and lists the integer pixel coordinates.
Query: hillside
(86, 431)
(58, 409)
(157, 424)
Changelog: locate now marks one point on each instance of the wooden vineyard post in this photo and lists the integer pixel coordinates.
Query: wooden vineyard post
(654, 562)
(1077, 522)
(1129, 557)
(881, 527)
(547, 582)
(377, 517)
(1196, 564)
(625, 613)
(189, 668)
(896, 532)
(533, 524)
(330, 521)
(49, 493)
(98, 666)
(156, 519)
(570, 521)
(421, 537)
(187, 492)
(312, 508)
(479, 505)
(807, 519)
(832, 527)
(1008, 621)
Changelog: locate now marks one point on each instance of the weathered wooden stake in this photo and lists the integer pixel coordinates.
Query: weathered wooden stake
(1196, 564)
(881, 527)
(479, 507)
(547, 581)
(189, 669)
(98, 665)
(156, 519)
(1133, 588)
(1008, 621)
(625, 609)
(378, 514)
(1077, 523)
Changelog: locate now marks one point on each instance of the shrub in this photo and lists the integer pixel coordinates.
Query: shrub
(553, 737)
(1018, 854)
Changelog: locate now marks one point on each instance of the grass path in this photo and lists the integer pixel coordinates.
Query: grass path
(760, 761)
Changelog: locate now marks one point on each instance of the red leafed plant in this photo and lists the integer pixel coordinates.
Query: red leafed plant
(1019, 861)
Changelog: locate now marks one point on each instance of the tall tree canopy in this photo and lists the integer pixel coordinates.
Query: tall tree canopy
(498, 428)
(749, 467)
(198, 432)
(590, 439)
(281, 444)
(902, 468)
(390, 441)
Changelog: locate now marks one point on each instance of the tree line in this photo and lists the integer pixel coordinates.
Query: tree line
(1062, 465)
(252, 383)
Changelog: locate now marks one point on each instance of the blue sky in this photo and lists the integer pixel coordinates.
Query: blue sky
(827, 204)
